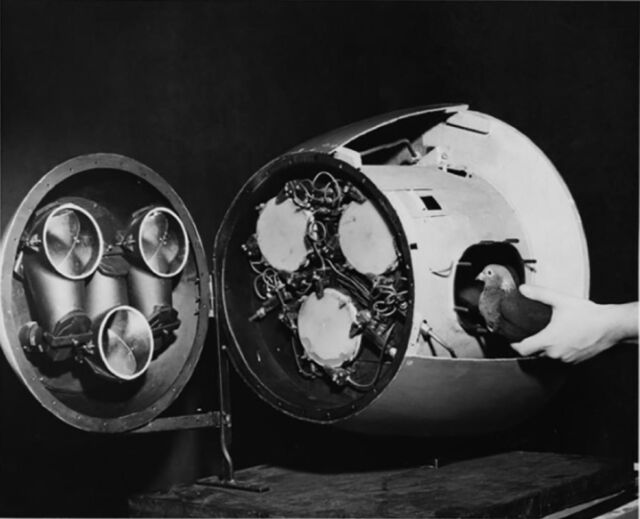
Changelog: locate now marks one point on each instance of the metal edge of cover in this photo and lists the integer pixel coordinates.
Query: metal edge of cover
(223, 237)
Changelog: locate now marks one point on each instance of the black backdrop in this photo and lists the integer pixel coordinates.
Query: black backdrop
(207, 92)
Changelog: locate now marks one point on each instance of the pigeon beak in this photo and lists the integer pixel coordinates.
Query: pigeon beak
(480, 277)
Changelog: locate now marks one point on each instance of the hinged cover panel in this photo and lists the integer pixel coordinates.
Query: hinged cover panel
(104, 293)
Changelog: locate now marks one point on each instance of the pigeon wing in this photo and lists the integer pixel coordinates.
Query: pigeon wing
(522, 317)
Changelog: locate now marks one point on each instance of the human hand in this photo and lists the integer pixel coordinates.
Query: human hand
(579, 328)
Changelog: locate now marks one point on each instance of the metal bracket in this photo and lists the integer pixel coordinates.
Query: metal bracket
(177, 423)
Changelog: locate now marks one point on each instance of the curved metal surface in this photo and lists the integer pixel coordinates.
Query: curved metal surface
(530, 183)
(507, 159)
(330, 141)
(460, 397)
(471, 212)
(87, 404)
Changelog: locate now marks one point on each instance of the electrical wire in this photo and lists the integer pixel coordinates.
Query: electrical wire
(261, 294)
(300, 192)
(254, 266)
(330, 194)
(365, 387)
(301, 370)
(352, 282)
(313, 228)
(323, 196)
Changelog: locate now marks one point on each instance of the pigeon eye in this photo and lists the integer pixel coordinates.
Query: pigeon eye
(489, 272)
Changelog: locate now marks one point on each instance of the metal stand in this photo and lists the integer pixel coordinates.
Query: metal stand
(220, 418)
(227, 478)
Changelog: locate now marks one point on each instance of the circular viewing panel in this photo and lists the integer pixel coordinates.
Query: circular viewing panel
(324, 327)
(280, 231)
(365, 239)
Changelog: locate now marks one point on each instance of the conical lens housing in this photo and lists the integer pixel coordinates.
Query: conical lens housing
(125, 342)
(72, 241)
(162, 242)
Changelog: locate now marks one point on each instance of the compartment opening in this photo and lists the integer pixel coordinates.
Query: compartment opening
(467, 290)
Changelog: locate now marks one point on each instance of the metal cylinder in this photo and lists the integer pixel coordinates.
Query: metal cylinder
(53, 296)
(123, 340)
(148, 292)
(105, 292)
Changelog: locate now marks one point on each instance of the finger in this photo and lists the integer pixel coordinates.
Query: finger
(554, 352)
(544, 295)
(534, 344)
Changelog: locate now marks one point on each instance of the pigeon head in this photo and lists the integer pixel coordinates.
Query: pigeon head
(497, 276)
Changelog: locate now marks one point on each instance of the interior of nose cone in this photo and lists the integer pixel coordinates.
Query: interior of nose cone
(267, 352)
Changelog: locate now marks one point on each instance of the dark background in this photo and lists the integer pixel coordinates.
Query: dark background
(205, 93)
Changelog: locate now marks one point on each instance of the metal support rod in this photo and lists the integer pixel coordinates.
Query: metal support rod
(177, 423)
(227, 476)
(223, 383)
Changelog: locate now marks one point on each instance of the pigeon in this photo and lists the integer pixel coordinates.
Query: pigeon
(505, 310)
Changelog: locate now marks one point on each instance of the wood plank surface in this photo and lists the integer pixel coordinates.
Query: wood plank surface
(514, 485)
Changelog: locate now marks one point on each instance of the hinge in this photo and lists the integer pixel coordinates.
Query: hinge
(211, 296)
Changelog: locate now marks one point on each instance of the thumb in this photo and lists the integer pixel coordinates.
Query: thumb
(544, 295)
(531, 345)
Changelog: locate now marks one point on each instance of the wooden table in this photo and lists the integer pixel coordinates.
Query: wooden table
(513, 485)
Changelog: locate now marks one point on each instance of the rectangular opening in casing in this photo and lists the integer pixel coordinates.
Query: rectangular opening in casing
(430, 203)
